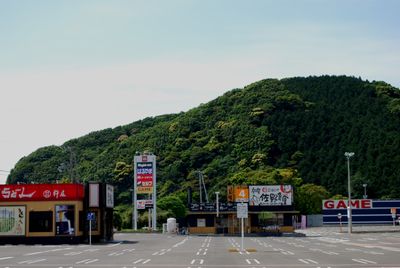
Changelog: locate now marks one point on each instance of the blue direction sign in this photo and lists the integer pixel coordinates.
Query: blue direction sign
(91, 216)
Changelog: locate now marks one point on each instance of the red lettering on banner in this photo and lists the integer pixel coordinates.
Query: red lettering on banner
(355, 203)
(366, 203)
(341, 204)
(329, 204)
(38, 192)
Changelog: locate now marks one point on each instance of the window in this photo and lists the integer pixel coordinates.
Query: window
(65, 220)
(40, 221)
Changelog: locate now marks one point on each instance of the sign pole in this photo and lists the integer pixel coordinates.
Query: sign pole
(90, 231)
(136, 159)
(242, 224)
(154, 194)
(242, 212)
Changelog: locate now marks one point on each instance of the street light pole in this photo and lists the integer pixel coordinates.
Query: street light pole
(365, 196)
(217, 193)
(348, 155)
(133, 208)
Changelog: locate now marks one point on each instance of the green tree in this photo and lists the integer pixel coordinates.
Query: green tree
(309, 198)
(174, 205)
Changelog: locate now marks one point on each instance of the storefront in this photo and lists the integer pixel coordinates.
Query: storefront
(270, 212)
(48, 213)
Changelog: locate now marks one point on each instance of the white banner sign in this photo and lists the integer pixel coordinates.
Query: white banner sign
(12, 220)
(271, 195)
(109, 196)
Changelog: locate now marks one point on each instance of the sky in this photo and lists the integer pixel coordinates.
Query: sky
(70, 67)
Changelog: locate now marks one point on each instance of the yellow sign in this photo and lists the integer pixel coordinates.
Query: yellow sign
(241, 193)
(144, 190)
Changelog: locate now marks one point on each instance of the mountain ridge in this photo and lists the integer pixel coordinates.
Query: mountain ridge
(271, 131)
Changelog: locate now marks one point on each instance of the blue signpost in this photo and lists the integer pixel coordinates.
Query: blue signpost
(90, 217)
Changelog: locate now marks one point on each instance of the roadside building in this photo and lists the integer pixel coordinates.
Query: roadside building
(270, 211)
(54, 213)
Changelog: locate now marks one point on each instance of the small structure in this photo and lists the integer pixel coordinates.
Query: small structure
(54, 213)
(270, 212)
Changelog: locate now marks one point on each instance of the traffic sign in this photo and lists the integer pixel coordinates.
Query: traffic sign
(242, 210)
(91, 216)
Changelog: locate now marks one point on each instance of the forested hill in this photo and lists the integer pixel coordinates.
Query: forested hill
(293, 130)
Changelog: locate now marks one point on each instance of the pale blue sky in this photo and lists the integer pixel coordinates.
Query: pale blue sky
(74, 66)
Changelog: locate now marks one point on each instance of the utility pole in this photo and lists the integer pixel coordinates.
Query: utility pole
(348, 155)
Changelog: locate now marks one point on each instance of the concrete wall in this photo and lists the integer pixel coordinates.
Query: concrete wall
(314, 220)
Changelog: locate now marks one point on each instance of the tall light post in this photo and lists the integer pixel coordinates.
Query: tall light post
(217, 195)
(365, 196)
(348, 155)
(133, 208)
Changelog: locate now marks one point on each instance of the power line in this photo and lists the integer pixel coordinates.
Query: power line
(5, 171)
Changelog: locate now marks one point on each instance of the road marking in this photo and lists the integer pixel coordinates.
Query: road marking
(129, 250)
(73, 253)
(142, 261)
(94, 260)
(250, 261)
(86, 261)
(364, 261)
(5, 258)
(82, 261)
(308, 261)
(180, 243)
(114, 245)
(46, 251)
(285, 252)
(201, 261)
(139, 260)
(31, 261)
(92, 249)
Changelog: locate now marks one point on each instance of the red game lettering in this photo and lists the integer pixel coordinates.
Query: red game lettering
(341, 204)
(329, 204)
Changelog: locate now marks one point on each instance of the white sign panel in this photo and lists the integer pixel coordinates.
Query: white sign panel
(242, 210)
(201, 222)
(109, 196)
(12, 220)
(144, 203)
(94, 195)
(271, 195)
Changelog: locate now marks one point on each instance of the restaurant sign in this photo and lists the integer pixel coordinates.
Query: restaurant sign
(271, 195)
(41, 192)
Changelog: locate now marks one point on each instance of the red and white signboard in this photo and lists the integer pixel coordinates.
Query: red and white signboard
(144, 177)
(343, 204)
(41, 192)
(144, 203)
(271, 195)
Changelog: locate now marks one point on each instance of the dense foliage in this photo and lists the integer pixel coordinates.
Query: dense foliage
(293, 130)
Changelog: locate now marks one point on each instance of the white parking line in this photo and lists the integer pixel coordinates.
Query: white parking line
(114, 245)
(201, 261)
(91, 261)
(308, 261)
(364, 261)
(82, 261)
(31, 261)
(5, 258)
(142, 261)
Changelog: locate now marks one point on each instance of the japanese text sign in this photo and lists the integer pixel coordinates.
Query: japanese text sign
(41, 192)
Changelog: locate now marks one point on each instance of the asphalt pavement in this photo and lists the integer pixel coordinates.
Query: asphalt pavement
(322, 247)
